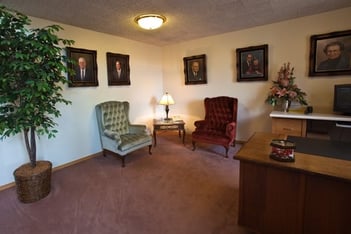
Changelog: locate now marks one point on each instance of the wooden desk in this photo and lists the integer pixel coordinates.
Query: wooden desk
(311, 195)
(161, 125)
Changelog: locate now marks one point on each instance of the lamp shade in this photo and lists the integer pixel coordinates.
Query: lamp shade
(150, 21)
(167, 99)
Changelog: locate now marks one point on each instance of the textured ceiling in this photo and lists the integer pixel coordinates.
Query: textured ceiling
(186, 19)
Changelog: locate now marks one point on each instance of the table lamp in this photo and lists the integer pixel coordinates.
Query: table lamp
(167, 100)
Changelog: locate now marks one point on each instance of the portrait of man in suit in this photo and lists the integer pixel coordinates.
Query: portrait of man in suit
(83, 73)
(195, 69)
(247, 63)
(195, 73)
(83, 63)
(119, 73)
(252, 63)
(118, 69)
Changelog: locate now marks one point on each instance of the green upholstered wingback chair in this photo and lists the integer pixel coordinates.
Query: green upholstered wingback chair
(117, 135)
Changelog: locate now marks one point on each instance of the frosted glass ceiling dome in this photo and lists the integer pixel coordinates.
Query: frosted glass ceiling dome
(150, 21)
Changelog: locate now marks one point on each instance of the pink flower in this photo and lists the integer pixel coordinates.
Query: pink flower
(284, 87)
(284, 82)
(292, 94)
(282, 92)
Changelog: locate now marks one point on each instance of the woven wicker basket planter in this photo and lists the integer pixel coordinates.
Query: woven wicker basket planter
(33, 184)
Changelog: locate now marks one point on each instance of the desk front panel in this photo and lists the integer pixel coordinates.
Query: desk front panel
(292, 127)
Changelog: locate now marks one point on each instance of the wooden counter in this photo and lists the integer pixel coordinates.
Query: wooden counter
(310, 195)
(295, 123)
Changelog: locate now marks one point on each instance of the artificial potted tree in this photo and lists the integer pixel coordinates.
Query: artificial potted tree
(32, 72)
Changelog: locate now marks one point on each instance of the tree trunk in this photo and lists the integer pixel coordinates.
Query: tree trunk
(29, 137)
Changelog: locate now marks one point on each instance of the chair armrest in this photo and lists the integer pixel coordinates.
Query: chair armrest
(113, 135)
(199, 124)
(230, 130)
(137, 128)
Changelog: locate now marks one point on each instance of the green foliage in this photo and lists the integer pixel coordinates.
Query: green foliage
(32, 72)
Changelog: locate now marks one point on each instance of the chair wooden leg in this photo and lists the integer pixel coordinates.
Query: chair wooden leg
(150, 146)
(194, 145)
(226, 151)
(123, 161)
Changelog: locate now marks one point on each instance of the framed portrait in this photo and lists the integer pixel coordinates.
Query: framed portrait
(195, 69)
(118, 70)
(330, 54)
(84, 66)
(252, 63)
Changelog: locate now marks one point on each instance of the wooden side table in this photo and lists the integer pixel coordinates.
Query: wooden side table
(162, 125)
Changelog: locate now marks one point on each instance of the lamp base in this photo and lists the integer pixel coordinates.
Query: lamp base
(167, 110)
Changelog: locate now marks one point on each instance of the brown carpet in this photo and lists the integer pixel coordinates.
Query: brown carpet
(173, 191)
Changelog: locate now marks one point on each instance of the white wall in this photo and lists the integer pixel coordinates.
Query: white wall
(288, 41)
(155, 70)
(78, 135)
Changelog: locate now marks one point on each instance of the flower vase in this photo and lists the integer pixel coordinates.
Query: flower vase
(286, 105)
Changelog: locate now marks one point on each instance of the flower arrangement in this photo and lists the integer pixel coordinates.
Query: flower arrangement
(285, 89)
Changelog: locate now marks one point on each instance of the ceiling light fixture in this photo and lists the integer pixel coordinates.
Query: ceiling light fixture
(150, 21)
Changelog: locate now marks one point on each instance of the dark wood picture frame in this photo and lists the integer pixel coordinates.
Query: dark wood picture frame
(252, 63)
(114, 77)
(195, 64)
(330, 54)
(90, 74)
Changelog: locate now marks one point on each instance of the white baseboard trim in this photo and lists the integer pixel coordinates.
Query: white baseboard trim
(9, 185)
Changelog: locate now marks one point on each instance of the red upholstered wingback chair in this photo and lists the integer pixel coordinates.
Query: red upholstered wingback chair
(219, 125)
